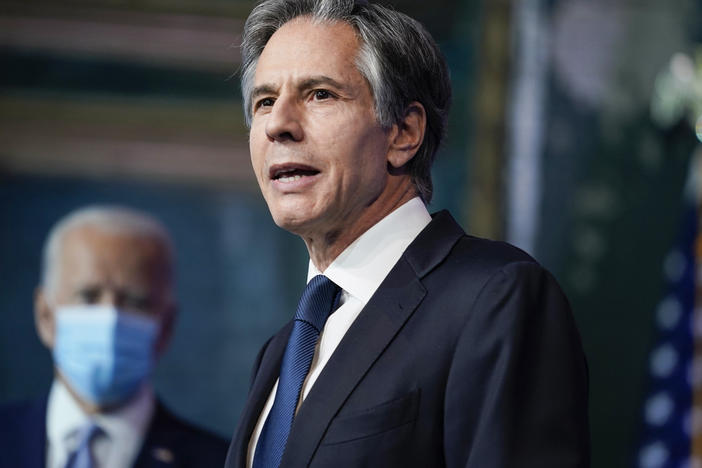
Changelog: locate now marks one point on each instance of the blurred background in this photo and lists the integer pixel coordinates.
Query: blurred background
(572, 134)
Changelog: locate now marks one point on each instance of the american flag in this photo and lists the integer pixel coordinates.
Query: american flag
(671, 435)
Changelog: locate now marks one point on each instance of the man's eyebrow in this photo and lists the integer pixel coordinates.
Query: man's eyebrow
(263, 89)
(314, 81)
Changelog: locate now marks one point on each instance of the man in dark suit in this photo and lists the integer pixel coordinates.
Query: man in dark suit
(105, 309)
(414, 345)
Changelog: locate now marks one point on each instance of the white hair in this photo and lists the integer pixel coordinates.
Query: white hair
(105, 218)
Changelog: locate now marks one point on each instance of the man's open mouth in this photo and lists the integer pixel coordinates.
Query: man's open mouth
(290, 173)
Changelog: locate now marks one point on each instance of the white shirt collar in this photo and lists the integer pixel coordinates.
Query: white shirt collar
(364, 264)
(125, 426)
(63, 416)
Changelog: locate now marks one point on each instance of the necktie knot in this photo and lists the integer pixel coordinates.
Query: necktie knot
(317, 301)
(90, 432)
(82, 457)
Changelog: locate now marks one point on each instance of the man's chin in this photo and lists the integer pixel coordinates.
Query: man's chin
(293, 224)
(90, 406)
(293, 219)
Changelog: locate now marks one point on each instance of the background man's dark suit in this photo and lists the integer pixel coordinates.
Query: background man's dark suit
(467, 355)
(170, 442)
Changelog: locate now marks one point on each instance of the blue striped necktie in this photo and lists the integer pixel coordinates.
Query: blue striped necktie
(82, 457)
(317, 302)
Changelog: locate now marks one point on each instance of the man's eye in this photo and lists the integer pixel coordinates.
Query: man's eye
(89, 295)
(321, 94)
(137, 302)
(265, 102)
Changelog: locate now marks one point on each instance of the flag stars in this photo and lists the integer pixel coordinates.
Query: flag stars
(674, 266)
(669, 312)
(653, 455)
(659, 408)
(663, 361)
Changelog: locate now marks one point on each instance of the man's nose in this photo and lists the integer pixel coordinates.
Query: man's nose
(111, 298)
(283, 123)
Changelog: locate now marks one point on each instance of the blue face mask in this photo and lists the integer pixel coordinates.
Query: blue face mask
(103, 353)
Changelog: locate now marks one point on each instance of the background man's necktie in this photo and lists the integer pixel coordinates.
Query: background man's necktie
(315, 305)
(82, 457)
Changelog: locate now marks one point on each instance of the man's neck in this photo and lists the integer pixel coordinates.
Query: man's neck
(324, 248)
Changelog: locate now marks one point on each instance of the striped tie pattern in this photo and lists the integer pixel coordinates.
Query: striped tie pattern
(83, 457)
(317, 302)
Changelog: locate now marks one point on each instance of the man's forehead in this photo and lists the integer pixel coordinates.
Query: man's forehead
(304, 47)
(88, 242)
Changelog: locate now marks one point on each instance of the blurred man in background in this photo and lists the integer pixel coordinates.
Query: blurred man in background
(105, 308)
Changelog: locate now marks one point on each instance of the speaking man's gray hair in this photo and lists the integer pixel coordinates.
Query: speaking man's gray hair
(109, 218)
(398, 57)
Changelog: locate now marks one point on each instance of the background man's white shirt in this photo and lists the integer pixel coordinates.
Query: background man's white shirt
(358, 271)
(124, 429)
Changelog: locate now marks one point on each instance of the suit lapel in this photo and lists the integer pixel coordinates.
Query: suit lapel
(157, 449)
(260, 389)
(385, 314)
(368, 336)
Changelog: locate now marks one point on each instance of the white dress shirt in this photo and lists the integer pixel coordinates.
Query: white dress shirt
(124, 429)
(358, 271)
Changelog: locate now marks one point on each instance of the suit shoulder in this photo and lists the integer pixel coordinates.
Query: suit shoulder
(194, 445)
(497, 249)
(444, 247)
(474, 266)
(191, 434)
(486, 257)
(23, 432)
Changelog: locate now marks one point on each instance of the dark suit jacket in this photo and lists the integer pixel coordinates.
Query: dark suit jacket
(170, 442)
(466, 356)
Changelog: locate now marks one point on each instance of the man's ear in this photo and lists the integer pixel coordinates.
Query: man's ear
(44, 318)
(407, 136)
(166, 332)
